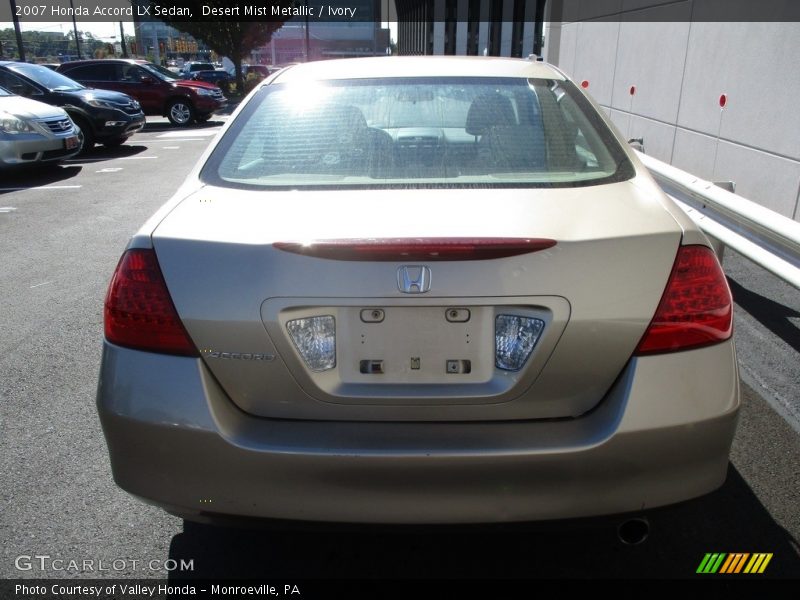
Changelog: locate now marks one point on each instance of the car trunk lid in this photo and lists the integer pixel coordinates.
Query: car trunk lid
(237, 286)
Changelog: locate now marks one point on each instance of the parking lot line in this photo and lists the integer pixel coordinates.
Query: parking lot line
(41, 187)
(181, 140)
(176, 134)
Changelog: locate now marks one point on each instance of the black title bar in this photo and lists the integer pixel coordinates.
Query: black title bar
(215, 11)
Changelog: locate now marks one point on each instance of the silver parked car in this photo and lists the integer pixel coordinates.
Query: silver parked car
(33, 132)
(418, 289)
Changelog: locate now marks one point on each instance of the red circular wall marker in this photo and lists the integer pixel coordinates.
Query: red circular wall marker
(632, 90)
(585, 83)
(723, 100)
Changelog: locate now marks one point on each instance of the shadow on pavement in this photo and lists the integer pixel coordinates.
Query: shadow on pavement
(154, 127)
(101, 153)
(772, 315)
(34, 176)
(729, 520)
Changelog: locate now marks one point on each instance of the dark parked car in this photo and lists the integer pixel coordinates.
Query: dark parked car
(160, 91)
(190, 68)
(217, 77)
(104, 117)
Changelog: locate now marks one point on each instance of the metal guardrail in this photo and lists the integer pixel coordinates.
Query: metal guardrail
(757, 233)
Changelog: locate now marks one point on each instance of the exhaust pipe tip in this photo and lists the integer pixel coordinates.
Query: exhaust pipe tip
(634, 531)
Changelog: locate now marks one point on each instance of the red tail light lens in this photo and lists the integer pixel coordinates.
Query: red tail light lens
(139, 312)
(427, 249)
(696, 308)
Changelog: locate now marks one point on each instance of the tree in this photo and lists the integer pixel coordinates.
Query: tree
(234, 39)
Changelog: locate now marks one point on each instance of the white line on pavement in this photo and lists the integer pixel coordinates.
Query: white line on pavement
(41, 187)
(7, 209)
(40, 284)
(170, 147)
(177, 134)
(109, 170)
(137, 157)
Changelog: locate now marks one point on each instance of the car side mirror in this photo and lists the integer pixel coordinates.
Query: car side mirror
(147, 79)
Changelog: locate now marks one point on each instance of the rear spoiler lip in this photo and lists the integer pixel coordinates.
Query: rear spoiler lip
(415, 249)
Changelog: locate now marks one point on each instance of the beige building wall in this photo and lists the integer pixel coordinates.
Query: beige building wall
(679, 69)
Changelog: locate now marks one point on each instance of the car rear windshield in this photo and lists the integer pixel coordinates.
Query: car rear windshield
(418, 132)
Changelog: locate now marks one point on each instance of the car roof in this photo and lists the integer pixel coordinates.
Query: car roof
(5, 63)
(89, 61)
(419, 66)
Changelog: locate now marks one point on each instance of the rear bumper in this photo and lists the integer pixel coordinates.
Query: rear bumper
(662, 435)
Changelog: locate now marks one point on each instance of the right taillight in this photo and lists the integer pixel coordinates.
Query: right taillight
(696, 308)
(139, 312)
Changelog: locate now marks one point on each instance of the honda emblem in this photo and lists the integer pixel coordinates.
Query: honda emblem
(414, 279)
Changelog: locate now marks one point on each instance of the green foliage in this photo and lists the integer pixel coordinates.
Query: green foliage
(44, 45)
(251, 82)
(234, 39)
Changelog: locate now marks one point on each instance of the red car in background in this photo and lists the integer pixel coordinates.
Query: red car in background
(160, 91)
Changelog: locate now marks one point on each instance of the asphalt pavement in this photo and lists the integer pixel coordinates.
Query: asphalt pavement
(62, 231)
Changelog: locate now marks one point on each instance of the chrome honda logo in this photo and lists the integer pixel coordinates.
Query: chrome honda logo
(414, 279)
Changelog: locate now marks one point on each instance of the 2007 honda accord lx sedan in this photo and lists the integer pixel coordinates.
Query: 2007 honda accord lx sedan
(418, 290)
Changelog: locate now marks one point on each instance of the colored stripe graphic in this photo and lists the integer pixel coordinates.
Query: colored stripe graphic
(731, 560)
(711, 562)
(734, 563)
(728, 564)
(741, 563)
(703, 564)
(716, 565)
(758, 563)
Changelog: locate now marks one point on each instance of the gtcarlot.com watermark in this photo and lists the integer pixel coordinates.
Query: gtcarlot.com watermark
(44, 563)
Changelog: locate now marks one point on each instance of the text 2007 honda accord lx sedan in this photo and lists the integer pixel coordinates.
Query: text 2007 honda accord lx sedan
(422, 290)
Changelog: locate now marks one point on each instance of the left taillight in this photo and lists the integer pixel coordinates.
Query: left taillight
(696, 308)
(139, 312)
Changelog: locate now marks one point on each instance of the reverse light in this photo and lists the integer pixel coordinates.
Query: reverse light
(515, 339)
(139, 312)
(315, 340)
(696, 308)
